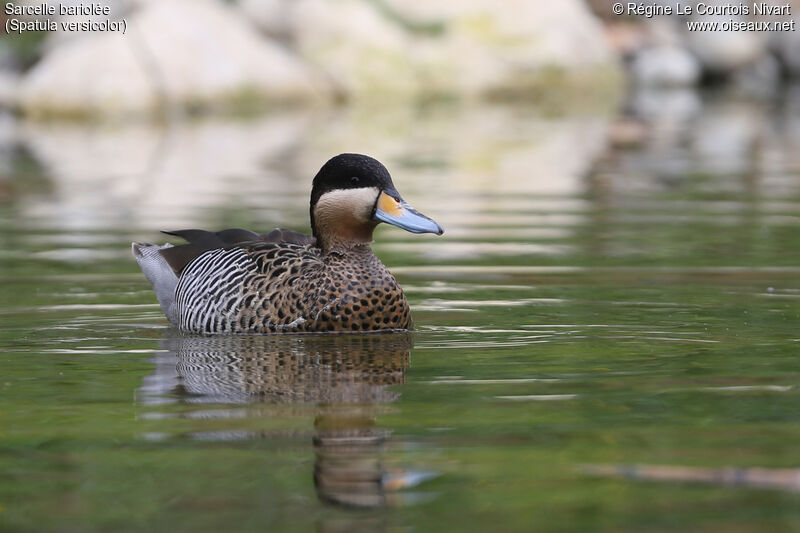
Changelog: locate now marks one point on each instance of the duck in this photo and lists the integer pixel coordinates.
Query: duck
(237, 281)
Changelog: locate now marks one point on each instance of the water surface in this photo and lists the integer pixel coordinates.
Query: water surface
(607, 333)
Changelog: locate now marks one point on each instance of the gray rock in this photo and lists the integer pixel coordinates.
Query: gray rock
(7, 59)
(180, 53)
(788, 49)
(270, 16)
(665, 66)
(761, 78)
(472, 47)
(185, 53)
(356, 47)
(9, 81)
(726, 51)
(488, 46)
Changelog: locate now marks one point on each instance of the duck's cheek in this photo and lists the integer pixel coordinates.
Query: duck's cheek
(346, 204)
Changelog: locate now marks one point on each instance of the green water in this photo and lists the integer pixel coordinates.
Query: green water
(607, 333)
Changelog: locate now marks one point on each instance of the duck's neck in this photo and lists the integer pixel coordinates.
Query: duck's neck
(341, 234)
(342, 219)
(343, 242)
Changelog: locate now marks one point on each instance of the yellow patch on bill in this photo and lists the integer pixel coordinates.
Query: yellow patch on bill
(389, 205)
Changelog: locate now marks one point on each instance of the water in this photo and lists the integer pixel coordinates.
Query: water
(606, 339)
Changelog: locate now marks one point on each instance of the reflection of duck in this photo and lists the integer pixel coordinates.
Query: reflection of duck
(347, 375)
(236, 281)
(275, 369)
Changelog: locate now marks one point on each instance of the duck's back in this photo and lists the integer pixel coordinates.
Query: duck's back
(283, 287)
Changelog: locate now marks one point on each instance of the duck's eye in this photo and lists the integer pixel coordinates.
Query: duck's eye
(354, 180)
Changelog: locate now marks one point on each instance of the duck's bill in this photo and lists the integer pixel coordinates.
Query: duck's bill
(392, 209)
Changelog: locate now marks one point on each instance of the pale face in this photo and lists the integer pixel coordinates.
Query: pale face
(353, 193)
(347, 217)
(344, 216)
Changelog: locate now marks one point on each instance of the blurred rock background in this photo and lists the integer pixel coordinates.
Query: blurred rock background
(662, 52)
(240, 101)
(244, 54)
(207, 54)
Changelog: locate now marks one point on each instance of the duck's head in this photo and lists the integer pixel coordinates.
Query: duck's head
(352, 194)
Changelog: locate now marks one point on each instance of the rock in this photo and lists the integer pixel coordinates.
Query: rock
(203, 53)
(476, 47)
(360, 50)
(101, 74)
(270, 16)
(8, 147)
(626, 38)
(167, 56)
(660, 59)
(788, 49)
(628, 132)
(517, 44)
(665, 66)
(722, 52)
(508, 47)
(762, 78)
(728, 134)
(7, 59)
(193, 65)
(9, 82)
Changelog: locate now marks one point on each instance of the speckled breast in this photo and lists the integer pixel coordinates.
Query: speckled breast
(274, 288)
